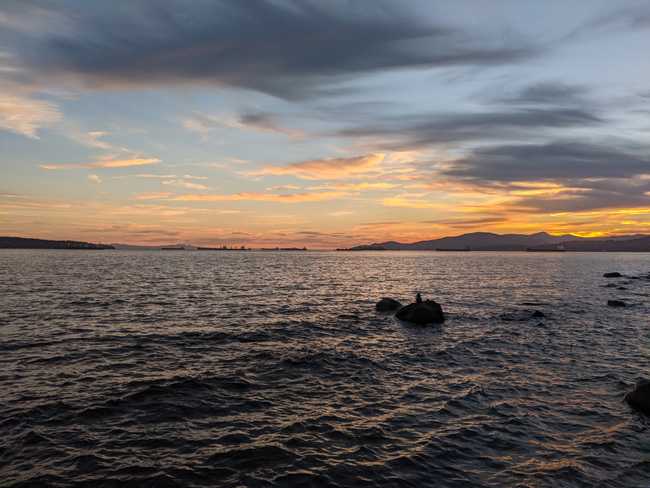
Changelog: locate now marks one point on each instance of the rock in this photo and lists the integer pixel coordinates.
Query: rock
(616, 303)
(387, 305)
(639, 398)
(614, 274)
(538, 314)
(427, 312)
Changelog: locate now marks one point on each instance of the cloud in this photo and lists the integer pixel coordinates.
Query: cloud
(415, 201)
(103, 163)
(589, 200)
(186, 184)
(283, 187)
(560, 160)
(464, 223)
(153, 196)
(149, 175)
(94, 179)
(25, 116)
(548, 93)
(257, 121)
(325, 169)
(264, 122)
(263, 197)
(559, 176)
(626, 18)
(93, 139)
(267, 46)
(416, 131)
(361, 186)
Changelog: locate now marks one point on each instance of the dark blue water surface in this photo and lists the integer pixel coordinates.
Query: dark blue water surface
(165, 369)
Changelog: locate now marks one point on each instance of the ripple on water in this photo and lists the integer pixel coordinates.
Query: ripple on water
(272, 369)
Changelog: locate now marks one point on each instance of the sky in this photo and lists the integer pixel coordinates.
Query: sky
(322, 123)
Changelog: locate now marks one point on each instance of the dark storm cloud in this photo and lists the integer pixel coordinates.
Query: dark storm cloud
(287, 48)
(410, 132)
(557, 161)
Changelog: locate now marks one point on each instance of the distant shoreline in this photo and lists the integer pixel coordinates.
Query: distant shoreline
(530, 251)
(29, 243)
(473, 242)
(539, 242)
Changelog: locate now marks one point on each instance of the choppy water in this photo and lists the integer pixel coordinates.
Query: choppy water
(273, 369)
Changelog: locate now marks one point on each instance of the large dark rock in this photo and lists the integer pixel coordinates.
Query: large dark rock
(426, 312)
(387, 305)
(615, 303)
(639, 398)
(614, 274)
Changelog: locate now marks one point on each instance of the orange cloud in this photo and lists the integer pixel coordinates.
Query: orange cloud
(356, 186)
(153, 196)
(104, 163)
(186, 184)
(325, 169)
(412, 200)
(263, 197)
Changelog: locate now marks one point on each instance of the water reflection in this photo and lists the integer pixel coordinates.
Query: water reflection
(200, 369)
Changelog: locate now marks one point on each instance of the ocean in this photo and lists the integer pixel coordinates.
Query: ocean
(193, 369)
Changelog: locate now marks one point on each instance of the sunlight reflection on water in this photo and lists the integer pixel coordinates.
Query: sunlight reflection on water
(273, 369)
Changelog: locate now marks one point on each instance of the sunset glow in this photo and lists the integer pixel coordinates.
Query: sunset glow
(333, 126)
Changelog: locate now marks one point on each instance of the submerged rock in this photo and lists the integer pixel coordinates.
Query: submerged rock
(616, 303)
(639, 398)
(426, 312)
(614, 274)
(538, 314)
(387, 305)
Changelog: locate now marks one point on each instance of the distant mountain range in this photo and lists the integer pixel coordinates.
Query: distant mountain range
(541, 241)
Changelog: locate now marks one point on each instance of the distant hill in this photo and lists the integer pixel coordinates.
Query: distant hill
(487, 241)
(25, 243)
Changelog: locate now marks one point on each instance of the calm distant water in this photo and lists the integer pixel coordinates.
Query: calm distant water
(167, 369)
